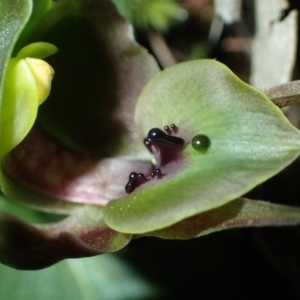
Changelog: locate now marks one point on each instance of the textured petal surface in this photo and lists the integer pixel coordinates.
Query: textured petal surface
(82, 234)
(237, 213)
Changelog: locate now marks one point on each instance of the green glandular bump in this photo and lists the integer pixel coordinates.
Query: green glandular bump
(200, 142)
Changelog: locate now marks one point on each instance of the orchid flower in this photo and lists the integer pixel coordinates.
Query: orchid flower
(120, 150)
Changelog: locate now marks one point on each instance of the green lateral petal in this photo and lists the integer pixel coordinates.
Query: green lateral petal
(18, 97)
(251, 141)
(238, 213)
(13, 17)
(37, 50)
(19, 105)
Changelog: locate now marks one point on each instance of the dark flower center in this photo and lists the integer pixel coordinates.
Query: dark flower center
(165, 148)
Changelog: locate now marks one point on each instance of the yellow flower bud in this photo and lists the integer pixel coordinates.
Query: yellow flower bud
(26, 85)
(43, 74)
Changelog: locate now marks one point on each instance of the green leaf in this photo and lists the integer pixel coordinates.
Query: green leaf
(105, 277)
(39, 9)
(251, 141)
(13, 17)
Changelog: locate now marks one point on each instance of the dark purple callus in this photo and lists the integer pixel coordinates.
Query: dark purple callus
(171, 129)
(135, 180)
(164, 147)
(157, 173)
(157, 136)
(174, 128)
(168, 130)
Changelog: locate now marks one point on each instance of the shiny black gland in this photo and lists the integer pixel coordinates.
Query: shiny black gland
(168, 130)
(135, 180)
(156, 135)
(174, 128)
(157, 173)
(164, 147)
(171, 129)
(132, 175)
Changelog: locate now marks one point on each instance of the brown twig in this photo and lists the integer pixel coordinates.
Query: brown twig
(285, 94)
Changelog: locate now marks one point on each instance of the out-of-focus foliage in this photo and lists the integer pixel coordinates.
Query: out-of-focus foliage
(103, 277)
(152, 14)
